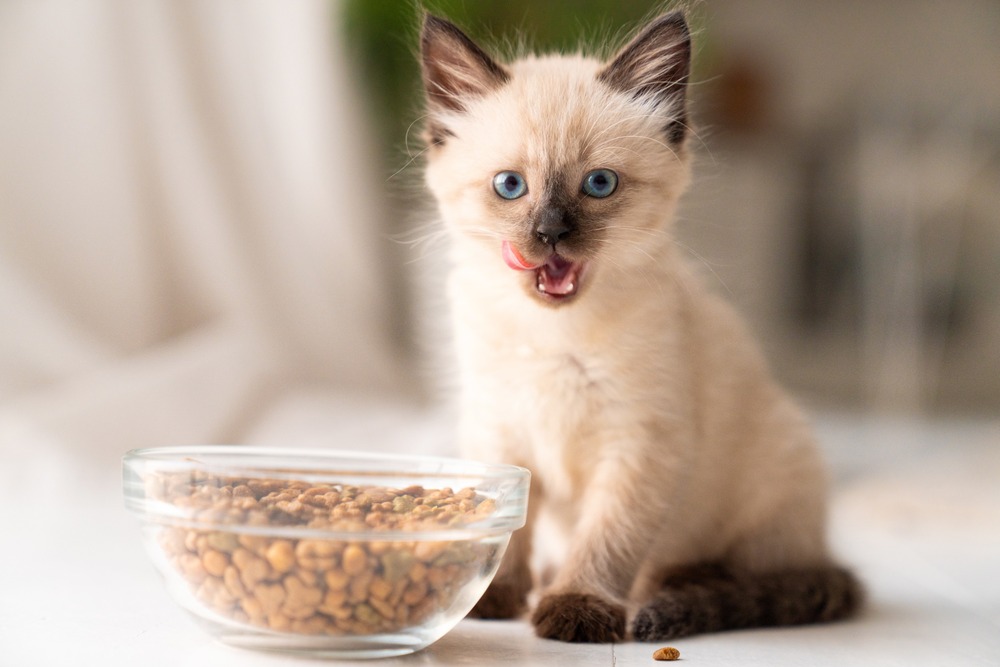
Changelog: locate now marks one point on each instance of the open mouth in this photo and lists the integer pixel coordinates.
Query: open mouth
(558, 278)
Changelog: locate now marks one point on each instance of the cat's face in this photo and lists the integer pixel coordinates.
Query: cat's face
(569, 168)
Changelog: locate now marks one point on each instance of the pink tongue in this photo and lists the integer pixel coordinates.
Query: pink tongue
(514, 259)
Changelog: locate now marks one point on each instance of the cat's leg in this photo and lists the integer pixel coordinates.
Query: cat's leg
(623, 509)
(712, 598)
(507, 595)
(777, 575)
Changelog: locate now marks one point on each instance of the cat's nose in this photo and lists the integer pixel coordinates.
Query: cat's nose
(553, 230)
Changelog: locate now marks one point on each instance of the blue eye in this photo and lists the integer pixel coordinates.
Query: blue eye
(600, 183)
(510, 184)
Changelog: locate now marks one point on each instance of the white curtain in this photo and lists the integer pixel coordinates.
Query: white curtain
(190, 226)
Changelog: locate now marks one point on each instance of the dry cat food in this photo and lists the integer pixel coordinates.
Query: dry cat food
(666, 653)
(320, 586)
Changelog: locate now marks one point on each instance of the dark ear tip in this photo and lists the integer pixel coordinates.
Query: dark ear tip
(431, 22)
(435, 25)
(675, 20)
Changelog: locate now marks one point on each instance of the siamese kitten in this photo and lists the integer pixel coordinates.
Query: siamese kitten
(687, 484)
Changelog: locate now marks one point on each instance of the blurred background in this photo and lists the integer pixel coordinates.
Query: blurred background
(212, 227)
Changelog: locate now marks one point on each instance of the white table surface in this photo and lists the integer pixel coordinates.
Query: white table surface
(916, 512)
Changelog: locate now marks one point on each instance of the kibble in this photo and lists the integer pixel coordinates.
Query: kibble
(280, 555)
(355, 560)
(666, 653)
(215, 563)
(321, 586)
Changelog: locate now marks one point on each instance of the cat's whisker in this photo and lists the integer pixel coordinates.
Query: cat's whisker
(640, 137)
(682, 283)
(595, 126)
(424, 239)
(663, 234)
(483, 232)
(635, 245)
(416, 235)
(655, 238)
(408, 163)
(646, 138)
(624, 229)
(693, 132)
(646, 124)
(631, 228)
(704, 262)
(610, 151)
(651, 279)
(406, 139)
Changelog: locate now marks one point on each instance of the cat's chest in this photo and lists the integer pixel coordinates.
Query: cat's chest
(556, 400)
(555, 385)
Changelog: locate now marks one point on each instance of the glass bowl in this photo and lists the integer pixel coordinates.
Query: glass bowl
(327, 553)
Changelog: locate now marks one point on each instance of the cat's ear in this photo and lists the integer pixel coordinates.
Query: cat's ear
(655, 65)
(454, 68)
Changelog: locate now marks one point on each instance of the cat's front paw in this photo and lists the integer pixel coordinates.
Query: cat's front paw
(577, 617)
(502, 600)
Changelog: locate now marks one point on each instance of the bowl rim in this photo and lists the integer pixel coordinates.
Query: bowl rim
(177, 459)
(511, 515)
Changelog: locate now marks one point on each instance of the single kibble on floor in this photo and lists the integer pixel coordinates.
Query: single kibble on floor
(666, 653)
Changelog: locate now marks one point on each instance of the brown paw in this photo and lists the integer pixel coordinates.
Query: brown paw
(664, 618)
(501, 600)
(574, 617)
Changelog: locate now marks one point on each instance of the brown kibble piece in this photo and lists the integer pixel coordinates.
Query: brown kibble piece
(666, 653)
(382, 607)
(252, 607)
(428, 551)
(333, 602)
(418, 572)
(357, 590)
(281, 555)
(415, 593)
(380, 588)
(438, 577)
(355, 560)
(253, 543)
(253, 570)
(215, 562)
(313, 625)
(270, 597)
(224, 542)
(279, 622)
(316, 555)
(300, 600)
(336, 580)
(231, 577)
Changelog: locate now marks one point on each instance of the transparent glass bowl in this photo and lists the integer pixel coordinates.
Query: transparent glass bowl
(327, 553)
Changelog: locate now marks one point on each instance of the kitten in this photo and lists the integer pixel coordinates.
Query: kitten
(688, 485)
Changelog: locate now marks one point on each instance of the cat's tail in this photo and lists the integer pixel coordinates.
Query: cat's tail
(711, 598)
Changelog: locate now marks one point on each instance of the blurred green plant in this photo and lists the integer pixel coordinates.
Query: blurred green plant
(383, 37)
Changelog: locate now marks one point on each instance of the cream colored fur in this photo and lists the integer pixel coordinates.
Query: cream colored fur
(653, 430)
